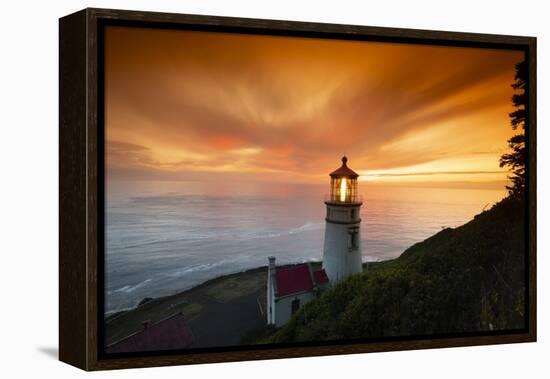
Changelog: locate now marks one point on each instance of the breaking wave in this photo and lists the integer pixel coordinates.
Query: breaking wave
(130, 289)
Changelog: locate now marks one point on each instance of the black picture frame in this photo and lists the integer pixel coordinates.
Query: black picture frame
(81, 195)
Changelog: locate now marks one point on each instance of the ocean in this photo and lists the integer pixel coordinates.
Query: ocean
(162, 238)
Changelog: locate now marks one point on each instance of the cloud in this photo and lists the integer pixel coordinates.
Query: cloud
(436, 173)
(200, 102)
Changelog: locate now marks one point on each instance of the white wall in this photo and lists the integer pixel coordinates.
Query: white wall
(339, 261)
(271, 310)
(283, 307)
(28, 202)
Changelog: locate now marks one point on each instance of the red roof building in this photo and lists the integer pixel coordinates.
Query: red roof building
(299, 278)
(320, 277)
(293, 279)
(169, 334)
(289, 287)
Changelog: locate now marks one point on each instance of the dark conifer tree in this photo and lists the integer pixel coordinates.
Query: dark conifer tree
(516, 158)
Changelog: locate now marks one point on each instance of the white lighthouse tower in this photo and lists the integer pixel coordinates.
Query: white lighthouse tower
(342, 249)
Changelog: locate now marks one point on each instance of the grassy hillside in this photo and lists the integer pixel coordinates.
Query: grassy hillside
(460, 280)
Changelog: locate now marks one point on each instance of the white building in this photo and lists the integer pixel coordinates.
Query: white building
(289, 287)
(342, 248)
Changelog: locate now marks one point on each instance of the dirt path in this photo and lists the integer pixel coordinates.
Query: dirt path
(226, 324)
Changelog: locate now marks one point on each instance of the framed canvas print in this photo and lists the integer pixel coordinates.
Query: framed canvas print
(236, 189)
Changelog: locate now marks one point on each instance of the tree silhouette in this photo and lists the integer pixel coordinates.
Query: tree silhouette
(515, 160)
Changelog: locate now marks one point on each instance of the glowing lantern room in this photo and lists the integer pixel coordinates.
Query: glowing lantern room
(343, 184)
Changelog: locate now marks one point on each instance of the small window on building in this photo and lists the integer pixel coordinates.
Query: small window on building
(353, 214)
(295, 305)
(353, 239)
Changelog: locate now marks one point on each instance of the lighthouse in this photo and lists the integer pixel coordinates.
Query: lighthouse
(342, 247)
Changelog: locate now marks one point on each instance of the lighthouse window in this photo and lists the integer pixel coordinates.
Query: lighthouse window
(353, 239)
(353, 214)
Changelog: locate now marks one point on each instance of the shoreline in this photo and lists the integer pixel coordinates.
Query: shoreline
(109, 315)
(239, 296)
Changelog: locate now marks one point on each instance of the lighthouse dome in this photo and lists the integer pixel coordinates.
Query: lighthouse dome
(344, 171)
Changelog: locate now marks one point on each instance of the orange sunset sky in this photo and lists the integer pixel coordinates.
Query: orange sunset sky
(198, 106)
